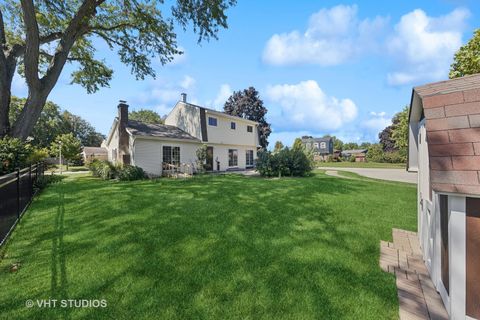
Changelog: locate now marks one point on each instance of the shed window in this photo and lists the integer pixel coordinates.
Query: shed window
(233, 125)
(323, 145)
(212, 121)
(249, 129)
(171, 155)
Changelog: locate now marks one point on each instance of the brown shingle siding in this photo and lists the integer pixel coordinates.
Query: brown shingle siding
(459, 188)
(474, 120)
(452, 149)
(441, 163)
(476, 147)
(472, 95)
(437, 137)
(442, 100)
(467, 163)
(455, 177)
(464, 135)
(434, 113)
(448, 123)
(462, 109)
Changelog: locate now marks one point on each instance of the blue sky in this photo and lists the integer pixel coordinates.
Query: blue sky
(341, 68)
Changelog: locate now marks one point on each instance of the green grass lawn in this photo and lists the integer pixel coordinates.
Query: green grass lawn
(213, 247)
(361, 165)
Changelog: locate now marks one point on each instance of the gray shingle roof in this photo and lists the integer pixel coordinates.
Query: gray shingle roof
(94, 150)
(158, 130)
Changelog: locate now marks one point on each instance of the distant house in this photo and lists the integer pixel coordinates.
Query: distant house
(231, 142)
(359, 154)
(91, 153)
(444, 148)
(321, 147)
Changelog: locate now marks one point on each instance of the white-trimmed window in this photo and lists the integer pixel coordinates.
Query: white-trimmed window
(212, 121)
(249, 158)
(316, 145)
(232, 157)
(233, 125)
(171, 155)
(249, 129)
(323, 145)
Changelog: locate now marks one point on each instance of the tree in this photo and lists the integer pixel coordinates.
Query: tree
(147, 116)
(278, 146)
(337, 143)
(350, 146)
(298, 145)
(39, 38)
(467, 59)
(70, 146)
(386, 140)
(400, 130)
(248, 105)
(52, 122)
(201, 158)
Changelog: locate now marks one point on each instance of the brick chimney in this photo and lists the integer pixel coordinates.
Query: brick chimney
(123, 143)
(183, 97)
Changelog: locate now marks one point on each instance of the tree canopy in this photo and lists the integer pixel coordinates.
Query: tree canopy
(278, 146)
(70, 146)
(467, 59)
(145, 115)
(248, 105)
(39, 37)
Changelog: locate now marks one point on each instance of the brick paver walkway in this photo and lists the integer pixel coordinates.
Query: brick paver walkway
(417, 297)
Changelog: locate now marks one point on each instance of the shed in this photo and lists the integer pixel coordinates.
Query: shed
(444, 148)
(91, 153)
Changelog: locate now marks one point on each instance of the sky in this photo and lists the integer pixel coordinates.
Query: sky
(321, 67)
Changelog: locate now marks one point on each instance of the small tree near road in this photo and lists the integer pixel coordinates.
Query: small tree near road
(70, 146)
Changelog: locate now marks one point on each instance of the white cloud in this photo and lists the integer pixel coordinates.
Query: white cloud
(377, 122)
(304, 106)
(223, 94)
(178, 58)
(333, 36)
(424, 46)
(188, 82)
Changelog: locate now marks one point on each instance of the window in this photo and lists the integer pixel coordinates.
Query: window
(323, 145)
(249, 129)
(171, 155)
(249, 158)
(212, 121)
(316, 145)
(232, 157)
(233, 125)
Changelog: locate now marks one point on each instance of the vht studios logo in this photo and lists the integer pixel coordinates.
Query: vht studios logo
(66, 303)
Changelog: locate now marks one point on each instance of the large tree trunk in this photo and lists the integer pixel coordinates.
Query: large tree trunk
(7, 71)
(28, 117)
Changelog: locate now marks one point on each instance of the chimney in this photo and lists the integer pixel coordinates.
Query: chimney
(123, 145)
(183, 97)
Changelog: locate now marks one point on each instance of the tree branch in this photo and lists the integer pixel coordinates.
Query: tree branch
(32, 43)
(3, 38)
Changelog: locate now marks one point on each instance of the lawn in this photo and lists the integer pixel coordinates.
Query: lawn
(348, 164)
(213, 247)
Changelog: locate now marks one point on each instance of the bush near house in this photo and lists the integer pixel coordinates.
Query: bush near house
(286, 162)
(14, 153)
(106, 170)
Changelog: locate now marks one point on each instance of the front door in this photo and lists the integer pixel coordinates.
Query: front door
(209, 162)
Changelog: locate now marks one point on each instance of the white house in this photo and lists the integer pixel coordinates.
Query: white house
(444, 148)
(232, 142)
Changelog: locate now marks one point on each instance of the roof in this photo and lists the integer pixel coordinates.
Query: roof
(317, 139)
(94, 150)
(223, 114)
(138, 128)
(452, 120)
(354, 151)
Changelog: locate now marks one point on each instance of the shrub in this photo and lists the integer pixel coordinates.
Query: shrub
(45, 180)
(286, 162)
(130, 173)
(38, 155)
(352, 158)
(14, 153)
(102, 169)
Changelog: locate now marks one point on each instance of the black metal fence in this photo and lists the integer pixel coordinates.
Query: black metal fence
(16, 192)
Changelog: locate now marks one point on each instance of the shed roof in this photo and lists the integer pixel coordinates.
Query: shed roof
(94, 150)
(452, 121)
(355, 151)
(317, 139)
(158, 130)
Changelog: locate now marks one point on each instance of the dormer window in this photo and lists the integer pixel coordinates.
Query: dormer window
(323, 145)
(249, 129)
(212, 121)
(233, 125)
(316, 145)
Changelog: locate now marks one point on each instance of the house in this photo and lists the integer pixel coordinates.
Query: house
(90, 153)
(360, 154)
(231, 141)
(444, 148)
(321, 147)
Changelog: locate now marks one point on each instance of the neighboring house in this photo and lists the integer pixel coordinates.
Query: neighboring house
(321, 147)
(232, 142)
(444, 148)
(91, 153)
(360, 154)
